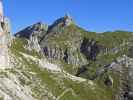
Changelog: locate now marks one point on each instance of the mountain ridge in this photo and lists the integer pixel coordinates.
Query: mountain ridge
(66, 62)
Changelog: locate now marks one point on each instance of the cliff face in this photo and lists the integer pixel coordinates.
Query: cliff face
(4, 43)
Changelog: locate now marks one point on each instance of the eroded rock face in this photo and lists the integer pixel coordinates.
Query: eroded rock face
(63, 21)
(90, 49)
(33, 43)
(67, 55)
(39, 28)
(130, 80)
(33, 34)
(4, 43)
(124, 66)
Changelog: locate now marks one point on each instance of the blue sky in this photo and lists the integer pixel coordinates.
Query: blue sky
(93, 15)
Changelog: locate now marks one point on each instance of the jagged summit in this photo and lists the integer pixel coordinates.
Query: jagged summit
(68, 19)
(63, 21)
(38, 27)
(41, 30)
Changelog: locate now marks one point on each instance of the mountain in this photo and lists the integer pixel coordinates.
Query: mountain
(63, 61)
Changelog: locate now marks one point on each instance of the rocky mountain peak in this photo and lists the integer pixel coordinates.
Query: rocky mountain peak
(63, 21)
(68, 20)
(39, 28)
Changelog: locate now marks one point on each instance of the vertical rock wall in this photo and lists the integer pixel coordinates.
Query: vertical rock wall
(4, 43)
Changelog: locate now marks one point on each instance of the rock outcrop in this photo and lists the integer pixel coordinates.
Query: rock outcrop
(90, 49)
(67, 55)
(39, 34)
(39, 28)
(5, 43)
(63, 21)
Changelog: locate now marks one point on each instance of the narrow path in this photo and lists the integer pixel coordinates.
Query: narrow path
(56, 68)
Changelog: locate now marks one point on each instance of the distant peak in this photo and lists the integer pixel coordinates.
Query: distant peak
(39, 26)
(68, 19)
(63, 21)
(67, 16)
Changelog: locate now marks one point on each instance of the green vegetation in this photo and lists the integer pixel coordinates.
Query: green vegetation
(57, 84)
(114, 39)
(78, 91)
(19, 45)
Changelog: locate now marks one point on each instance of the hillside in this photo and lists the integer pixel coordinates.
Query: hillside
(65, 62)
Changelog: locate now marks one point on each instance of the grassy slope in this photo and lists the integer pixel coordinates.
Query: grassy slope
(71, 36)
(110, 40)
(57, 84)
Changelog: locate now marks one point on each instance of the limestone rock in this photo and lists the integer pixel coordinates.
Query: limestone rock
(38, 28)
(4, 43)
(90, 49)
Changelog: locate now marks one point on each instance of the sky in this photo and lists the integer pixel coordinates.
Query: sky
(92, 15)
